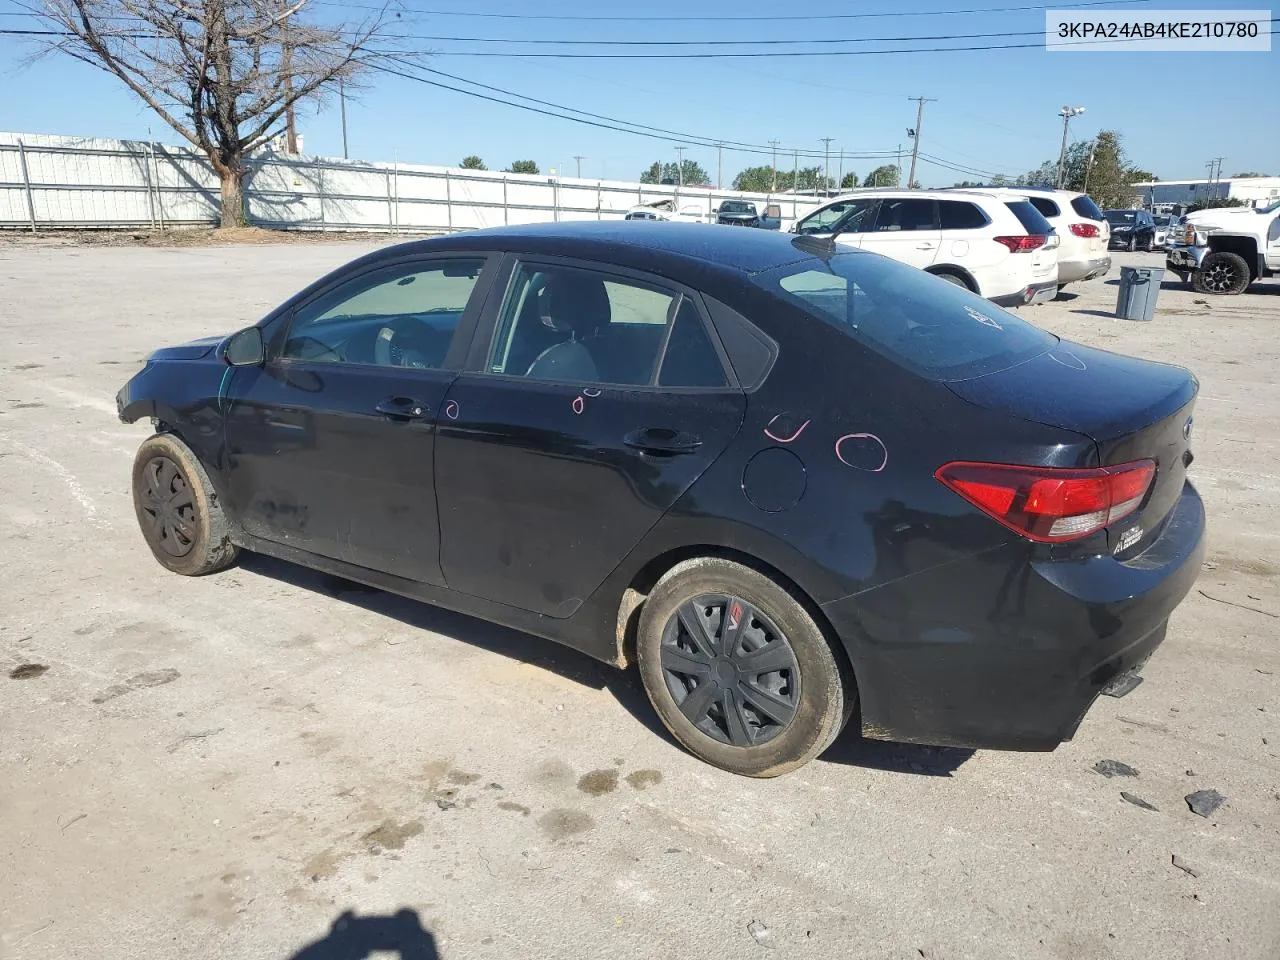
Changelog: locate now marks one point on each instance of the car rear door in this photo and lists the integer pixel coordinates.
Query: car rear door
(598, 400)
(906, 229)
(330, 442)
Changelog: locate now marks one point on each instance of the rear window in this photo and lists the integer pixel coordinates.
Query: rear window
(1085, 207)
(736, 206)
(1046, 206)
(1031, 219)
(933, 328)
(956, 215)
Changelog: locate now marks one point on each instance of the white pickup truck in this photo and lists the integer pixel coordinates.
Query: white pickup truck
(1223, 251)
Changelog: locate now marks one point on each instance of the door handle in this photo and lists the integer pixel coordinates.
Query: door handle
(401, 408)
(925, 246)
(661, 440)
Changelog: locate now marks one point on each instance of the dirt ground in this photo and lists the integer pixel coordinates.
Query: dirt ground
(270, 764)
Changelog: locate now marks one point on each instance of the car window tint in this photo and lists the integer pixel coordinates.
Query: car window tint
(906, 214)
(690, 359)
(1031, 219)
(581, 326)
(955, 215)
(937, 330)
(1273, 234)
(1046, 206)
(403, 315)
(1085, 207)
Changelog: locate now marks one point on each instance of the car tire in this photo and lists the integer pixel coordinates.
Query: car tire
(1222, 274)
(756, 724)
(952, 278)
(1132, 245)
(178, 510)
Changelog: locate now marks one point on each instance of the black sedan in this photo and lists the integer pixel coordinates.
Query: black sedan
(1131, 229)
(793, 483)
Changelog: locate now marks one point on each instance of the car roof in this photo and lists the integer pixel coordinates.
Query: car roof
(643, 246)
(1027, 191)
(894, 193)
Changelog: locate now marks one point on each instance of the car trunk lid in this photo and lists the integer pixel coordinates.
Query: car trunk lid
(1132, 409)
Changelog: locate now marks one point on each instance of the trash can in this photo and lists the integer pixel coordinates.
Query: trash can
(1139, 288)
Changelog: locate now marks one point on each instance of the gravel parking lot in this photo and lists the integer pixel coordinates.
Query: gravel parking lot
(224, 767)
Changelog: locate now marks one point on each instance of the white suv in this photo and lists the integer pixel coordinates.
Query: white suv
(1083, 231)
(998, 246)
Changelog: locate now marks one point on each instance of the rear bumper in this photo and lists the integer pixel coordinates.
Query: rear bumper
(1074, 271)
(1032, 293)
(1007, 651)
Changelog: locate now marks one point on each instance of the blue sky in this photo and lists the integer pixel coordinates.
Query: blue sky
(994, 111)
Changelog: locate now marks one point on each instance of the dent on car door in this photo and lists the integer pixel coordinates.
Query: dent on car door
(330, 441)
(599, 399)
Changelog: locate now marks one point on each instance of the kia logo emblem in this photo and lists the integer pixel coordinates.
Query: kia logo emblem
(1186, 428)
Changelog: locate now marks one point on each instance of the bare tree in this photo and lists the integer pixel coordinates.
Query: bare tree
(225, 74)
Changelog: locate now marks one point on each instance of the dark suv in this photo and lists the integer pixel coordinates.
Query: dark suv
(738, 213)
(1132, 229)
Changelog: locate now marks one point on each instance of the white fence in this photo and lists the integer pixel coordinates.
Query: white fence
(70, 182)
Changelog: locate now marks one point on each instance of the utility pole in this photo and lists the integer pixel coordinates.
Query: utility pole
(826, 163)
(679, 164)
(286, 66)
(1217, 177)
(840, 172)
(774, 163)
(719, 166)
(795, 171)
(342, 104)
(915, 137)
(579, 160)
(1066, 113)
(899, 154)
(1088, 167)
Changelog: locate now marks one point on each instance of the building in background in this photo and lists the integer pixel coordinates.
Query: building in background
(1165, 195)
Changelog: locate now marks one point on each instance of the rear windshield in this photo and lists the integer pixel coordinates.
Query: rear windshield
(1085, 206)
(736, 206)
(933, 328)
(1120, 217)
(1032, 220)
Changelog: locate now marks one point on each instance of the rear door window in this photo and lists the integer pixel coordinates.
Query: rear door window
(1031, 219)
(1085, 207)
(906, 214)
(955, 215)
(938, 331)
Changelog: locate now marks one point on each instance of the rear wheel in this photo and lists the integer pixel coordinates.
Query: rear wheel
(952, 278)
(1221, 273)
(738, 670)
(177, 509)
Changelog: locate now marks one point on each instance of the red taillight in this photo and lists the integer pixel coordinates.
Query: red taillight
(1084, 230)
(1047, 504)
(1023, 244)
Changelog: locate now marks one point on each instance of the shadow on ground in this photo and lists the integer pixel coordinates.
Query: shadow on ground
(357, 938)
(625, 686)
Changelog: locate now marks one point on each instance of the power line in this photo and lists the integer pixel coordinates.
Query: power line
(687, 18)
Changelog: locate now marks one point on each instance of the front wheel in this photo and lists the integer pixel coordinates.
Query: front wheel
(177, 509)
(738, 670)
(1221, 273)
(1132, 245)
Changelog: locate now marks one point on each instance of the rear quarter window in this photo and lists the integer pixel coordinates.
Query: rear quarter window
(932, 328)
(955, 215)
(1085, 207)
(1031, 219)
(1046, 206)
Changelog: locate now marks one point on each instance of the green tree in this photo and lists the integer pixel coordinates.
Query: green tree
(883, 176)
(963, 184)
(693, 174)
(759, 179)
(1250, 173)
(1215, 203)
(849, 181)
(524, 166)
(1137, 175)
(473, 163)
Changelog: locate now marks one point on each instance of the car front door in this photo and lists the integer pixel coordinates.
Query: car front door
(599, 399)
(906, 229)
(331, 441)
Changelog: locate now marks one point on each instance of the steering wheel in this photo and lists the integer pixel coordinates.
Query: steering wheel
(394, 348)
